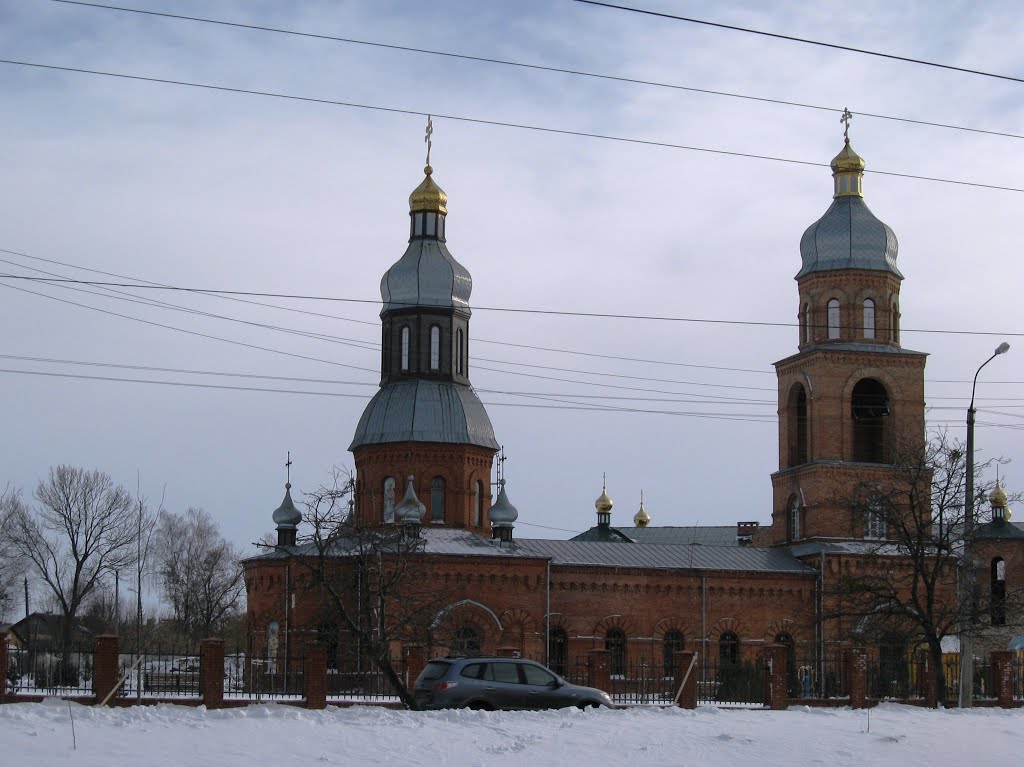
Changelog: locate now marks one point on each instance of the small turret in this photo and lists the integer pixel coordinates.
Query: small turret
(502, 515)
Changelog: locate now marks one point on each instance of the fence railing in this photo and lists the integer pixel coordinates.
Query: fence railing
(51, 672)
(369, 685)
(818, 678)
(726, 683)
(984, 684)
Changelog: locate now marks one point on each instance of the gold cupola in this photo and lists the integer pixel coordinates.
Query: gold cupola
(998, 498)
(642, 518)
(848, 166)
(604, 504)
(428, 197)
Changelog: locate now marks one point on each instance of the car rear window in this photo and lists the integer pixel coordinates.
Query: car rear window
(434, 670)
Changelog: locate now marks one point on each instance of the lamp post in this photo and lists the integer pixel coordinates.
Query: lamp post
(967, 570)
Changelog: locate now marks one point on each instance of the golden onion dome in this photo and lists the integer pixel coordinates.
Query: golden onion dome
(603, 502)
(641, 518)
(847, 161)
(998, 497)
(428, 196)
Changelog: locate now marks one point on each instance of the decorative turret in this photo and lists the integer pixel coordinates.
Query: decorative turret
(641, 518)
(286, 516)
(409, 512)
(604, 505)
(503, 515)
(999, 499)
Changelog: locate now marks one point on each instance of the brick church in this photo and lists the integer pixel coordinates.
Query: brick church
(425, 452)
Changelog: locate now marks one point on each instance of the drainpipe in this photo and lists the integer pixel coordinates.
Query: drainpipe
(547, 615)
(704, 626)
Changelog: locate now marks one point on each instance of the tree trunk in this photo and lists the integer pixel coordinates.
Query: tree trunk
(939, 670)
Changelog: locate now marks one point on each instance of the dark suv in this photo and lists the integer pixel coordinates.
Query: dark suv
(499, 683)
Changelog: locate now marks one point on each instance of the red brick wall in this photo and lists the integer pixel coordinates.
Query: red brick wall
(211, 672)
(104, 677)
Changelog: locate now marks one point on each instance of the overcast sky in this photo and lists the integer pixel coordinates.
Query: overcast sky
(207, 189)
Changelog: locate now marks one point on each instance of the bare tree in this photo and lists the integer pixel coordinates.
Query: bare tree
(368, 578)
(80, 529)
(199, 571)
(12, 564)
(907, 584)
(146, 525)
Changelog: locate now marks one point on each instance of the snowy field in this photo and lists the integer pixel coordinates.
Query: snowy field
(148, 736)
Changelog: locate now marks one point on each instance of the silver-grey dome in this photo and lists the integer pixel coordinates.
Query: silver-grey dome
(426, 275)
(410, 509)
(848, 236)
(502, 513)
(286, 515)
(419, 410)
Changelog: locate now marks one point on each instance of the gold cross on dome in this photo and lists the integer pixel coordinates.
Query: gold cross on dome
(426, 137)
(845, 119)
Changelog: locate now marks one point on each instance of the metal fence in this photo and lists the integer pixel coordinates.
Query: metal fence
(50, 672)
(821, 678)
(366, 685)
(732, 684)
(984, 684)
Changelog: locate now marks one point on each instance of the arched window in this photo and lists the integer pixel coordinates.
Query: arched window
(672, 643)
(405, 348)
(328, 638)
(460, 353)
(997, 608)
(467, 640)
(795, 531)
(833, 318)
(615, 644)
(808, 330)
(273, 645)
(437, 499)
(893, 672)
(478, 503)
(728, 649)
(870, 408)
(435, 347)
(558, 650)
(869, 318)
(798, 425)
(389, 499)
(874, 519)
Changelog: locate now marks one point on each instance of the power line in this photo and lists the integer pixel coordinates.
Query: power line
(497, 123)
(514, 310)
(804, 40)
(525, 65)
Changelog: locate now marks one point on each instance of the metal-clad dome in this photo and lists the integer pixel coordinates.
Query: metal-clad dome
(410, 509)
(502, 513)
(426, 275)
(286, 515)
(848, 236)
(419, 410)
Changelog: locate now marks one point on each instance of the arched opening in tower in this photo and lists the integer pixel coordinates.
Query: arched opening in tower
(870, 411)
(797, 425)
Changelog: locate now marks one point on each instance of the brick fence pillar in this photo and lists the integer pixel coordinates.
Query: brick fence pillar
(681, 664)
(314, 676)
(1002, 676)
(104, 666)
(776, 676)
(855, 668)
(927, 667)
(415, 661)
(211, 672)
(599, 669)
(4, 664)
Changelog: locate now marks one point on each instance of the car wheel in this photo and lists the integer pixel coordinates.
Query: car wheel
(480, 705)
(584, 705)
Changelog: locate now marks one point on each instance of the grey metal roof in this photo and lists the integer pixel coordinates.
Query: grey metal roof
(858, 548)
(436, 540)
(417, 410)
(426, 275)
(999, 530)
(604, 534)
(662, 557)
(848, 236)
(711, 535)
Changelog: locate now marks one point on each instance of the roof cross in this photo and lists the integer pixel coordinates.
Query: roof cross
(845, 119)
(288, 467)
(426, 138)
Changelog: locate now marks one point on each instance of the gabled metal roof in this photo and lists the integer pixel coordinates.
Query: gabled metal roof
(710, 535)
(663, 557)
(418, 410)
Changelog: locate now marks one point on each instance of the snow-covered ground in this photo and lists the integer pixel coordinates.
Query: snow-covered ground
(148, 736)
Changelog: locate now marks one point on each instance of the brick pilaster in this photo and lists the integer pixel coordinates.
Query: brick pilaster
(855, 668)
(415, 661)
(104, 666)
(681, 661)
(927, 667)
(314, 676)
(3, 665)
(1002, 676)
(776, 687)
(599, 667)
(211, 672)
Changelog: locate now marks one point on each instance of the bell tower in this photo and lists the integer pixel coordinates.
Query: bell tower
(425, 423)
(852, 397)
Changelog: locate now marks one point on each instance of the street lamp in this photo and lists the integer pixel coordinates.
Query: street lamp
(967, 571)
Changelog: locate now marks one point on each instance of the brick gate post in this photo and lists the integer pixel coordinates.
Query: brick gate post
(855, 667)
(3, 664)
(681, 661)
(104, 666)
(776, 676)
(314, 675)
(415, 662)
(1002, 676)
(211, 672)
(599, 669)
